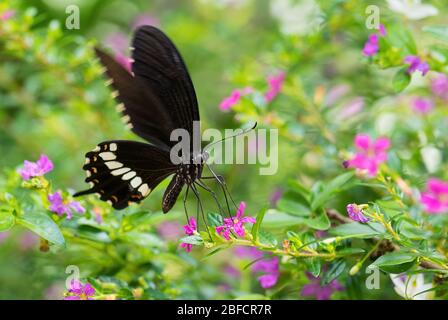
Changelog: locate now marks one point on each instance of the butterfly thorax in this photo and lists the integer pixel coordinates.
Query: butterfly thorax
(185, 174)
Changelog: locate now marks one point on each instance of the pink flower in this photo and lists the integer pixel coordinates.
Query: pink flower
(316, 289)
(275, 83)
(422, 105)
(4, 236)
(439, 86)
(124, 61)
(145, 20)
(270, 270)
(370, 154)
(61, 207)
(230, 101)
(6, 15)
(190, 230)
(231, 271)
(235, 97)
(355, 213)
(28, 240)
(248, 252)
(351, 108)
(416, 64)
(117, 41)
(371, 47)
(79, 292)
(169, 230)
(235, 224)
(382, 30)
(435, 198)
(36, 169)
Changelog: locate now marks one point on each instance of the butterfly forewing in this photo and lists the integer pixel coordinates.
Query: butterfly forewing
(125, 171)
(140, 108)
(159, 65)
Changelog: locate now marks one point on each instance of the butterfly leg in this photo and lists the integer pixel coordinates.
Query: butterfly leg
(206, 188)
(196, 192)
(185, 202)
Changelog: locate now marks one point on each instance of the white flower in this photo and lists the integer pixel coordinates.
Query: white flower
(412, 9)
(297, 17)
(410, 287)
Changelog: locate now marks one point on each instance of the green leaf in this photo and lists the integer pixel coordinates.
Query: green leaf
(439, 32)
(7, 220)
(329, 190)
(297, 187)
(256, 226)
(194, 239)
(267, 238)
(214, 219)
(358, 230)
(278, 219)
(93, 233)
(142, 239)
(395, 262)
(313, 265)
(293, 207)
(401, 80)
(335, 270)
(321, 222)
(41, 224)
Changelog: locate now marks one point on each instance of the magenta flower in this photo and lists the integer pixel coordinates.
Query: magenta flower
(439, 86)
(235, 97)
(435, 198)
(230, 101)
(248, 252)
(124, 61)
(235, 224)
(275, 196)
(422, 105)
(316, 289)
(355, 213)
(231, 271)
(4, 236)
(118, 42)
(145, 20)
(190, 229)
(79, 292)
(370, 154)
(270, 270)
(382, 30)
(371, 47)
(36, 169)
(61, 207)
(275, 83)
(6, 15)
(169, 230)
(416, 64)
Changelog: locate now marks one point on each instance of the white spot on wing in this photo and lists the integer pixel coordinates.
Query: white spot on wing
(129, 175)
(97, 148)
(113, 147)
(120, 107)
(87, 161)
(113, 164)
(119, 172)
(144, 189)
(136, 182)
(107, 156)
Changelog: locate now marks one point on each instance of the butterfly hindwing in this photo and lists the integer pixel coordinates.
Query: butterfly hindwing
(125, 171)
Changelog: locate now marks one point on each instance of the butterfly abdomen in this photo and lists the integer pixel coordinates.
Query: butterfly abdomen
(172, 192)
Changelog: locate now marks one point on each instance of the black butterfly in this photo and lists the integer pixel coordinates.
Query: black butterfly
(155, 99)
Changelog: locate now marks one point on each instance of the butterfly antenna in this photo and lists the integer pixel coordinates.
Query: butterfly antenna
(243, 132)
